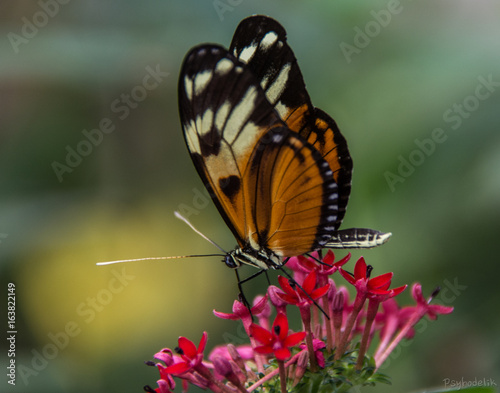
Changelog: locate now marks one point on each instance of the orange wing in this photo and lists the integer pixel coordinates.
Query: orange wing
(261, 43)
(292, 198)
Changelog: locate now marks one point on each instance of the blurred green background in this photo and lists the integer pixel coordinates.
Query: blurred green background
(66, 68)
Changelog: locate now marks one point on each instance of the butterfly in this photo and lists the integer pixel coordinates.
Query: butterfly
(277, 168)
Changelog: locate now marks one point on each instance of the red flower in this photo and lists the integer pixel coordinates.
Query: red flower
(304, 296)
(377, 287)
(278, 340)
(189, 354)
(326, 267)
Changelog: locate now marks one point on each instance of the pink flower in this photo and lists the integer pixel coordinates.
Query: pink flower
(277, 340)
(240, 311)
(424, 306)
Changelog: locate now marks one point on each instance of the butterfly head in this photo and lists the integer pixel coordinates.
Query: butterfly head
(231, 261)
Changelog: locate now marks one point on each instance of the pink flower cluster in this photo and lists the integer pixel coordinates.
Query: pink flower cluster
(331, 325)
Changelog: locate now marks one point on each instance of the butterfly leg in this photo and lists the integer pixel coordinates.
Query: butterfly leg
(241, 295)
(295, 283)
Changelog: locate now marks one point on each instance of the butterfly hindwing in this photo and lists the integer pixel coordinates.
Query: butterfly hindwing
(260, 42)
(292, 196)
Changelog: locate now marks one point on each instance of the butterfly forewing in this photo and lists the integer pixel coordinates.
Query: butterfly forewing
(261, 43)
(224, 112)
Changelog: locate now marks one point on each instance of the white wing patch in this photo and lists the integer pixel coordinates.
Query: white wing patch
(204, 122)
(221, 115)
(188, 86)
(275, 90)
(223, 67)
(201, 81)
(282, 109)
(192, 137)
(269, 39)
(247, 53)
(241, 146)
(240, 114)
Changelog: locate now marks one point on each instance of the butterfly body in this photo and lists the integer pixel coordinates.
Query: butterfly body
(277, 168)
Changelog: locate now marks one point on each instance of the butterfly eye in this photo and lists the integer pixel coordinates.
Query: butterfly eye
(230, 261)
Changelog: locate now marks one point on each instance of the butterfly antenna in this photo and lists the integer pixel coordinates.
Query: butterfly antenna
(181, 217)
(158, 258)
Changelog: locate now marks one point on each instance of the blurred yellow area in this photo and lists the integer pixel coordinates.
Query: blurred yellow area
(108, 304)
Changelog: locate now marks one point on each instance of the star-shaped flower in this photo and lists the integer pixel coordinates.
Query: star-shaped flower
(190, 356)
(278, 340)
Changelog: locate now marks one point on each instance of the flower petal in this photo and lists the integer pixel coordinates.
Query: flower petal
(263, 349)
(178, 368)
(240, 309)
(343, 261)
(224, 315)
(188, 348)
(417, 293)
(260, 305)
(381, 281)
(360, 269)
(285, 285)
(281, 323)
(398, 290)
(317, 293)
(309, 282)
(347, 276)
(288, 298)
(282, 353)
(203, 342)
(294, 339)
(260, 334)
